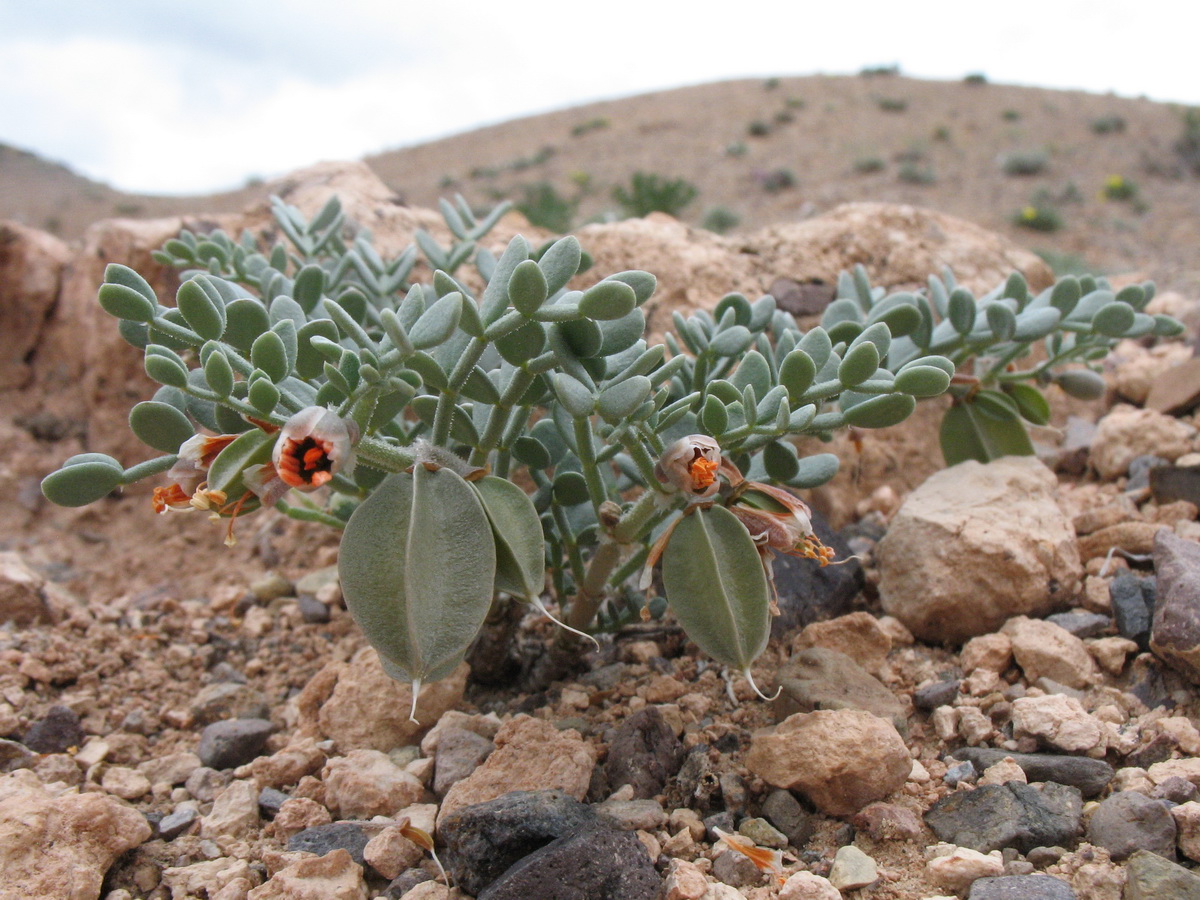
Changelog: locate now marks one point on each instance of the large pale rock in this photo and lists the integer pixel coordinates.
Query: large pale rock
(840, 759)
(1175, 634)
(27, 598)
(1059, 721)
(957, 870)
(1045, 650)
(31, 267)
(334, 876)
(858, 635)
(975, 545)
(530, 755)
(234, 812)
(358, 706)
(366, 783)
(1128, 432)
(61, 846)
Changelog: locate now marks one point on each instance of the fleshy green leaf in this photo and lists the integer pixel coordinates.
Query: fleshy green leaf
(620, 400)
(607, 300)
(922, 381)
(203, 309)
(1031, 404)
(82, 480)
(881, 411)
(160, 425)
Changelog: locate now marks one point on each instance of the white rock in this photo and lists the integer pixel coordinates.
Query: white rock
(366, 783)
(1185, 768)
(1003, 772)
(807, 886)
(389, 853)
(852, 869)
(973, 726)
(987, 651)
(1045, 650)
(684, 881)
(1128, 432)
(1111, 652)
(959, 869)
(234, 812)
(334, 875)
(975, 545)
(1187, 821)
(1182, 731)
(126, 783)
(1059, 721)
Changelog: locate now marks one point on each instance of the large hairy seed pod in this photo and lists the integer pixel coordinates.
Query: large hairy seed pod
(418, 566)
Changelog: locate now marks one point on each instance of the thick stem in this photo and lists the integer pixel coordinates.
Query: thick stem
(302, 514)
(443, 418)
(383, 455)
(587, 458)
(591, 592)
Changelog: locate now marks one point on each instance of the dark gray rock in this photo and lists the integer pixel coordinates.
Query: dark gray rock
(1140, 468)
(734, 793)
(173, 825)
(940, 693)
(959, 772)
(1156, 750)
(1129, 821)
(726, 821)
(698, 783)
(55, 732)
(312, 610)
(459, 753)
(322, 839)
(643, 753)
(405, 882)
(809, 592)
(1081, 624)
(485, 840)
(1170, 483)
(736, 869)
(1021, 887)
(1132, 600)
(784, 811)
(1150, 877)
(269, 801)
(994, 816)
(1175, 634)
(233, 742)
(596, 863)
(1175, 789)
(819, 678)
(1091, 776)
(15, 755)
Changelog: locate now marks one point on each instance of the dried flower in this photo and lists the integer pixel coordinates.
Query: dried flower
(691, 465)
(313, 445)
(186, 488)
(766, 860)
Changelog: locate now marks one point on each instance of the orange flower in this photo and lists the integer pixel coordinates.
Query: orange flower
(313, 445)
(691, 465)
(766, 860)
(186, 487)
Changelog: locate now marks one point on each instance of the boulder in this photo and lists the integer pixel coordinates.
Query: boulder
(976, 545)
(1128, 432)
(1175, 633)
(31, 269)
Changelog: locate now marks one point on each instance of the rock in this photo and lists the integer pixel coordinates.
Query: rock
(1080, 623)
(1111, 653)
(334, 875)
(222, 878)
(228, 700)
(1058, 721)
(347, 837)
(484, 840)
(1133, 601)
(55, 732)
(366, 783)
(857, 635)
(126, 783)
(1169, 484)
(1140, 468)
(961, 867)
(840, 759)
(297, 814)
(1131, 537)
(1043, 649)
(888, 822)
(312, 610)
(530, 754)
(389, 853)
(987, 651)
(204, 783)
(809, 593)
(819, 678)
(1150, 877)
(1128, 821)
(1128, 432)
(62, 846)
(598, 862)
(976, 545)
(26, 598)
(1187, 824)
(1091, 776)
(233, 742)
(643, 753)
(176, 823)
(234, 812)
(1021, 887)
(785, 813)
(940, 693)
(358, 705)
(684, 881)
(852, 869)
(1023, 816)
(762, 833)
(1177, 391)
(287, 766)
(31, 269)
(807, 886)
(1175, 633)
(174, 768)
(459, 753)
(735, 869)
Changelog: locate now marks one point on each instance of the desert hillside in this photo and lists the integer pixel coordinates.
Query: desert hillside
(761, 152)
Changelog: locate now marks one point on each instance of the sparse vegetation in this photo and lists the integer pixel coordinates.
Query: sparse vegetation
(1025, 163)
(545, 207)
(596, 124)
(777, 180)
(758, 128)
(649, 193)
(1108, 125)
(880, 71)
(975, 78)
(736, 149)
(720, 220)
(891, 104)
(1010, 115)
(866, 165)
(1119, 188)
(1038, 218)
(1187, 146)
(914, 173)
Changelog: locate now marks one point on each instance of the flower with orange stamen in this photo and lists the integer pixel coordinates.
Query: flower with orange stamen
(691, 465)
(313, 445)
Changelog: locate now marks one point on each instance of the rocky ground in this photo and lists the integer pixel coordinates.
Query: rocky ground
(999, 702)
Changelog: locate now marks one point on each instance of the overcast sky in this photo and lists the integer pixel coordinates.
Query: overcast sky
(176, 97)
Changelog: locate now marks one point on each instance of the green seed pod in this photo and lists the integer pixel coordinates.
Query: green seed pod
(716, 585)
(607, 300)
(202, 307)
(922, 381)
(438, 322)
(527, 289)
(1082, 384)
(160, 425)
(83, 479)
(620, 400)
(881, 411)
(417, 567)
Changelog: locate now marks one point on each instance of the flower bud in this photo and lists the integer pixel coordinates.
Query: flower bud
(312, 446)
(691, 465)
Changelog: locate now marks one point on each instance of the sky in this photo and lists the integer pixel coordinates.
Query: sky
(158, 96)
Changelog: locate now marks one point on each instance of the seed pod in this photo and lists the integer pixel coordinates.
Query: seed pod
(716, 585)
(417, 567)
